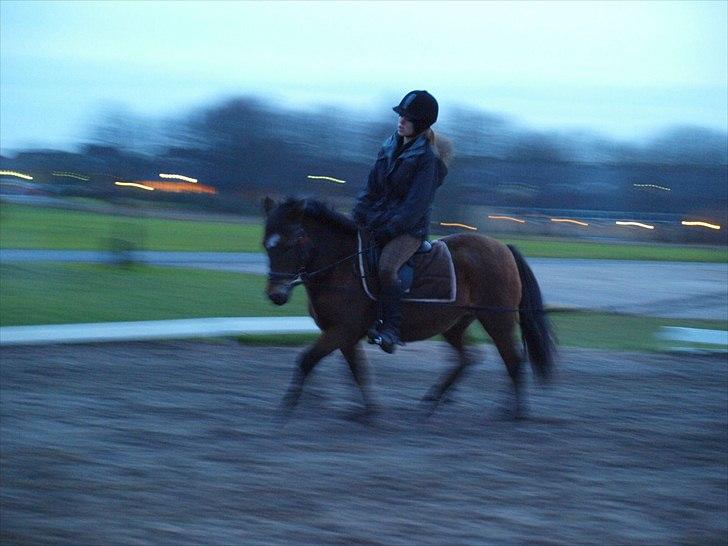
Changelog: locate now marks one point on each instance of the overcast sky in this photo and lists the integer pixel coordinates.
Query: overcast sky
(624, 69)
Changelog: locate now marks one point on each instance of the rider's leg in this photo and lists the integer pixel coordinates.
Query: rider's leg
(394, 255)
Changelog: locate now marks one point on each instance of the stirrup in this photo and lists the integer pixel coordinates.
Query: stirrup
(373, 335)
(388, 341)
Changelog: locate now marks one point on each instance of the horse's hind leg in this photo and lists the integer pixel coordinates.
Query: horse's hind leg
(455, 336)
(502, 331)
(357, 360)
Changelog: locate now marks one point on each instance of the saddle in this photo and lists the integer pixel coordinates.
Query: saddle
(428, 276)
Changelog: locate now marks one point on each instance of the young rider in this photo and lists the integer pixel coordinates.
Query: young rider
(396, 204)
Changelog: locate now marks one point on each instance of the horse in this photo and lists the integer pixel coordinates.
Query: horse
(309, 243)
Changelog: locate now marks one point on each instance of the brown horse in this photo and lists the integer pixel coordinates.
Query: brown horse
(309, 243)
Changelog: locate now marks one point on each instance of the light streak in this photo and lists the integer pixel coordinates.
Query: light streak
(637, 224)
(663, 188)
(568, 221)
(71, 175)
(134, 185)
(507, 218)
(701, 224)
(16, 174)
(178, 177)
(329, 178)
(455, 224)
(179, 187)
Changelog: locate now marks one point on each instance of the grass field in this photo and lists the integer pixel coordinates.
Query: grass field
(61, 293)
(71, 293)
(32, 227)
(543, 247)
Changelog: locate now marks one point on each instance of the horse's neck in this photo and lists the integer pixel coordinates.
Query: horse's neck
(330, 243)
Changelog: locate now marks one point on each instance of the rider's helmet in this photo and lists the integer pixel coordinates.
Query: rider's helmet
(420, 108)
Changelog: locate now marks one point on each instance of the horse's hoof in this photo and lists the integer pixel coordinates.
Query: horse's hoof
(374, 411)
(511, 413)
(364, 415)
(290, 399)
(433, 394)
(283, 415)
(388, 348)
(429, 399)
(429, 404)
(372, 408)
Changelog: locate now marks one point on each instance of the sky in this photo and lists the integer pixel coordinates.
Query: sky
(625, 70)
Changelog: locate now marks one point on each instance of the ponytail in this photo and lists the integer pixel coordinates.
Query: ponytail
(441, 146)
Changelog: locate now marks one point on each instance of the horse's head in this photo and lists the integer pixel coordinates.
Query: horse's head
(287, 246)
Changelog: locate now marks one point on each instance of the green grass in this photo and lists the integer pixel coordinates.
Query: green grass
(612, 331)
(556, 248)
(58, 294)
(61, 293)
(33, 227)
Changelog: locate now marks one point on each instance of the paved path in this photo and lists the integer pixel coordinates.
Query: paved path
(668, 289)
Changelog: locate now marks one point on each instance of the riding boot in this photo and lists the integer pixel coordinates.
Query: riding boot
(389, 332)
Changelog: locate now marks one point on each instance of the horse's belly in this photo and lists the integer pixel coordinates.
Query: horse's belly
(423, 322)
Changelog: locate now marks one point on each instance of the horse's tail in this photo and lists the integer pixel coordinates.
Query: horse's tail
(535, 325)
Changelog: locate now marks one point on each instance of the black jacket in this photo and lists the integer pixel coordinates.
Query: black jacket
(400, 189)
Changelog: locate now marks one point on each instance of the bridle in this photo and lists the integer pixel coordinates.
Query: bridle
(304, 248)
(306, 251)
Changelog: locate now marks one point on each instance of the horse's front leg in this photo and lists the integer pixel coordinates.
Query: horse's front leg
(357, 360)
(328, 341)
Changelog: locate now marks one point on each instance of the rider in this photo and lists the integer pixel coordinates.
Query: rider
(396, 204)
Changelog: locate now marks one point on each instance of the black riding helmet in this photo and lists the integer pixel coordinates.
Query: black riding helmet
(420, 108)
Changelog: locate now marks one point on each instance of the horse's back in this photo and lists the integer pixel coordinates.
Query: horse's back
(484, 266)
(480, 250)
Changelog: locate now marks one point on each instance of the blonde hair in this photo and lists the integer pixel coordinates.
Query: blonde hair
(440, 145)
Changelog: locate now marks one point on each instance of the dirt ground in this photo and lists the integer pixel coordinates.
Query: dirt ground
(179, 443)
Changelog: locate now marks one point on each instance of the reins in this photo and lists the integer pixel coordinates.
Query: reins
(493, 309)
(303, 276)
(623, 310)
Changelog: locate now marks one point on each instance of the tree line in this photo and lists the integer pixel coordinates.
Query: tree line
(246, 147)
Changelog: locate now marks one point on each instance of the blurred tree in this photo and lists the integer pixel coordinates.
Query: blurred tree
(245, 147)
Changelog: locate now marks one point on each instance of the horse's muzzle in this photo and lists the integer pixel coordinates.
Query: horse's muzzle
(278, 293)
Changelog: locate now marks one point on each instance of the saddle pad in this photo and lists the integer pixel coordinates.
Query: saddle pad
(434, 276)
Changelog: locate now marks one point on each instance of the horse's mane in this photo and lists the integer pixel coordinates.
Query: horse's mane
(322, 213)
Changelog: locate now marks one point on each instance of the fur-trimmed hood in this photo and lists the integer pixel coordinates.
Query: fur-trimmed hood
(441, 146)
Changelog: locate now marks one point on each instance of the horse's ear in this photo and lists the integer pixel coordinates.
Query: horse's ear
(268, 204)
(299, 208)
